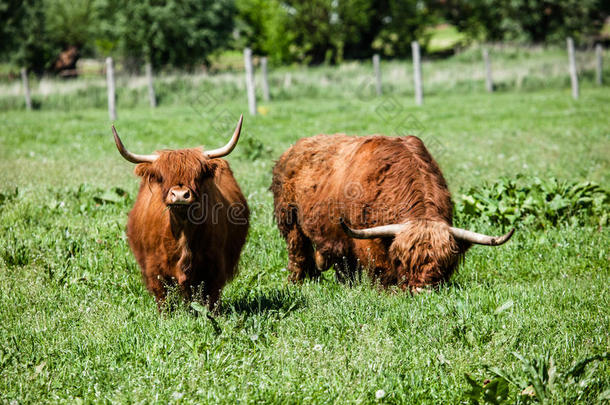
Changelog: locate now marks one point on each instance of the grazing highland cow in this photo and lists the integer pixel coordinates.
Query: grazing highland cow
(189, 221)
(376, 202)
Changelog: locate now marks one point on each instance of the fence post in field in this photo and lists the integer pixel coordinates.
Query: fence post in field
(110, 84)
(598, 64)
(417, 73)
(287, 80)
(26, 89)
(573, 74)
(265, 79)
(250, 81)
(151, 89)
(377, 74)
(489, 84)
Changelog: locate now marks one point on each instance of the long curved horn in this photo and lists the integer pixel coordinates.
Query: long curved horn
(384, 231)
(479, 238)
(132, 157)
(228, 148)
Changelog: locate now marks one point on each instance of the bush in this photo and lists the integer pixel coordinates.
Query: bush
(527, 20)
(538, 380)
(537, 202)
(24, 35)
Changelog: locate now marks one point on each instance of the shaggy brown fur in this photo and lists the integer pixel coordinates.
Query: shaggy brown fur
(195, 245)
(368, 181)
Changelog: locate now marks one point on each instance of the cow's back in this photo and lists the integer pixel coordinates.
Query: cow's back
(370, 180)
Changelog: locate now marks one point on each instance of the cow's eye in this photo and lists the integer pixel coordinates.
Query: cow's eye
(156, 178)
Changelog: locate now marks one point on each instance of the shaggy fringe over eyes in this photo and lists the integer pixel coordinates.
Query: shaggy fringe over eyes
(186, 166)
(426, 252)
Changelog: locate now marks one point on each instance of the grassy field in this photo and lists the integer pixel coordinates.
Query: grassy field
(76, 322)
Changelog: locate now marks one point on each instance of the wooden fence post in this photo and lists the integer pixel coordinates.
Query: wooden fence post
(489, 84)
(110, 84)
(599, 64)
(573, 73)
(417, 73)
(26, 89)
(377, 69)
(265, 78)
(250, 81)
(151, 89)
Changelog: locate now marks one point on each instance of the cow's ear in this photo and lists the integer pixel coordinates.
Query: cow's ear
(142, 169)
(146, 171)
(209, 167)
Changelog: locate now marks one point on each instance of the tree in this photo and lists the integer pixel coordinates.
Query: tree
(174, 32)
(264, 26)
(25, 40)
(403, 21)
(316, 31)
(527, 20)
(71, 23)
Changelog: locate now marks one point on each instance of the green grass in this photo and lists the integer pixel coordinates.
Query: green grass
(77, 323)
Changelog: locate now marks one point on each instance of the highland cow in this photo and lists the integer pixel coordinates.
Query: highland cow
(189, 222)
(374, 202)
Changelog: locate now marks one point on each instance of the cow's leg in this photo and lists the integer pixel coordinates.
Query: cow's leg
(301, 261)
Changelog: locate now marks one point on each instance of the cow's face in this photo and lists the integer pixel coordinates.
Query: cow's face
(180, 176)
(424, 253)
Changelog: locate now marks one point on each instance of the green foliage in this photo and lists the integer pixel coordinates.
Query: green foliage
(176, 33)
(71, 22)
(526, 20)
(330, 31)
(493, 392)
(184, 33)
(325, 29)
(7, 197)
(264, 26)
(538, 380)
(24, 35)
(535, 201)
(403, 22)
(255, 149)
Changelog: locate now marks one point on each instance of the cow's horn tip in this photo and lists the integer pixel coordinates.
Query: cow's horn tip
(505, 238)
